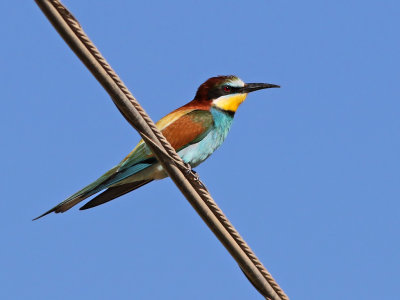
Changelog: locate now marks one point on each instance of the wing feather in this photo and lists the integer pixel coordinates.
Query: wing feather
(114, 192)
(182, 128)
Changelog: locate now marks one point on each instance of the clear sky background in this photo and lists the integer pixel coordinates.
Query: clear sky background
(309, 173)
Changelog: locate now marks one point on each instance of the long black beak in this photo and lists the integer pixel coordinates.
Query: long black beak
(251, 87)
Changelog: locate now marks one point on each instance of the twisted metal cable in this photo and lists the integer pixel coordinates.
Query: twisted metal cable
(169, 150)
(237, 237)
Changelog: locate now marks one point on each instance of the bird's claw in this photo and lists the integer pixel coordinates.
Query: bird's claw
(190, 171)
(194, 175)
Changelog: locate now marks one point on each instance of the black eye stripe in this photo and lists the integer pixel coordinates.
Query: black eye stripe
(220, 91)
(232, 89)
(235, 89)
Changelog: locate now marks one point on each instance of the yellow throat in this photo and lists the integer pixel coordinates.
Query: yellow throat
(229, 102)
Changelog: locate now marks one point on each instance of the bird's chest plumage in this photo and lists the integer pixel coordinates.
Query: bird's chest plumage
(198, 152)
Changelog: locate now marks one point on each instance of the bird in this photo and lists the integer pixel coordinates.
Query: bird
(194, 130)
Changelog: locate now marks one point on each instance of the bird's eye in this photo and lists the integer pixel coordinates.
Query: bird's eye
(227, 88)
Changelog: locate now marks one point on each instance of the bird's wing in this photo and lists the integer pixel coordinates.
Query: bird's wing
(180, 128)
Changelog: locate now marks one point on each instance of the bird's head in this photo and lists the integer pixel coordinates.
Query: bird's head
(228, 92)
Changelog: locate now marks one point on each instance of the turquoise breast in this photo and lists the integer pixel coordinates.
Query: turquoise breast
(199, 152)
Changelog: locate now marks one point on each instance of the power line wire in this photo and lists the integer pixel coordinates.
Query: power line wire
(188, 182)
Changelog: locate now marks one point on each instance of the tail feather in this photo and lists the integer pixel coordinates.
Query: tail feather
(63, 206)
(82, 194)
(114, 192)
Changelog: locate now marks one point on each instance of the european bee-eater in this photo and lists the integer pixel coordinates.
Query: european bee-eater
(195, 130)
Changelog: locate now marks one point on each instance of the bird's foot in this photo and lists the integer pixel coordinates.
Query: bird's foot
(194, 175)
(190, 171)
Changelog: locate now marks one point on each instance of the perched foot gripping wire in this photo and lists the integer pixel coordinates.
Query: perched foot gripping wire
(189, 184)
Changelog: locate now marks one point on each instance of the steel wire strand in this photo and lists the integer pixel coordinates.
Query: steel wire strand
(238, 238)
(197, 184)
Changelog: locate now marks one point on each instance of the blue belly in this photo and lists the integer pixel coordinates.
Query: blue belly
(199, 152)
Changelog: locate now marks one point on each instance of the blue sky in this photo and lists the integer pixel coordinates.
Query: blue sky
(309, 173)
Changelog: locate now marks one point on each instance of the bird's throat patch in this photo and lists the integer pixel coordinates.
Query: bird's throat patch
(229, 102)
